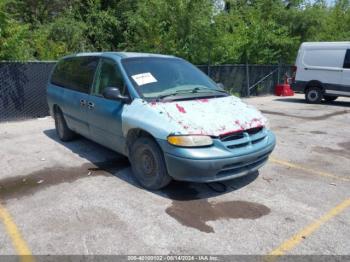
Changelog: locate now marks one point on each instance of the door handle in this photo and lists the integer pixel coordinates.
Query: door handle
(91, 105)
(82, 102)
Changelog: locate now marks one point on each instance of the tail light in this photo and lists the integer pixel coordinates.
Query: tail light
(294, 72)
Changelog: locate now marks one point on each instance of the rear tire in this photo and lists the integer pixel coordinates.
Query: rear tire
(329, 98)
(148, 165)
(313, 95)
(63, 131)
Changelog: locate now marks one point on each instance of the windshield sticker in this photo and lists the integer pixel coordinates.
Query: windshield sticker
(144, 78)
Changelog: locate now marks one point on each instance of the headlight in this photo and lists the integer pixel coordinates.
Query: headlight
(190, 141)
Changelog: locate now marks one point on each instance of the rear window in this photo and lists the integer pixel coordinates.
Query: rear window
(347, 59)
(76, 73)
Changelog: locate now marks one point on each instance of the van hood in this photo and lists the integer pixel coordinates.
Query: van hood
(213, 117)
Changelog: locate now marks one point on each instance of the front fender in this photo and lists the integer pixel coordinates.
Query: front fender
(139, 114)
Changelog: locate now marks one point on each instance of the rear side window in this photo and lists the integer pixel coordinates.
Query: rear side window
(75, 73)
(347, 59)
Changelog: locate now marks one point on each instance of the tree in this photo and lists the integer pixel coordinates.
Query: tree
(102, 27)
(62, 36)
(249, 31)
(179, 27)
(202, 31)
(37, 12)
(14, 44)
(336, 26)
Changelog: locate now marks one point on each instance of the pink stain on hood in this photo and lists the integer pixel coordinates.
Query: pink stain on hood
(204, 100)
(181, 109)
(256, 122)
(241, 127)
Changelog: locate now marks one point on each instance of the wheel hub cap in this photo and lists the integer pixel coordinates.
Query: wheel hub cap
(147, 163)
(313, 95)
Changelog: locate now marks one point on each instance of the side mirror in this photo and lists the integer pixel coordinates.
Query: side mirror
(113, 93)
(220, 85)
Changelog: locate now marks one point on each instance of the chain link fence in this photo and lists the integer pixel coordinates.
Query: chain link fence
(23, 89)
(23, 84)
(248, 80)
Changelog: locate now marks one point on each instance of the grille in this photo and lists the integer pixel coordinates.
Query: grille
(233, 136)
(255, 130)
(240, 134)
(244, 138)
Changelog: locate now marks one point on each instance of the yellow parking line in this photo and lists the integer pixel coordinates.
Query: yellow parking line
(17, 240)
(308, 170)
(308, 230)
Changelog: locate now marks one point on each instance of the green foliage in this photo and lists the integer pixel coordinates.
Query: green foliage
(36, 12)
(179, 27)
(14, 43)
(202, 31)
(62, 36)
(249, 33)
(102, 29)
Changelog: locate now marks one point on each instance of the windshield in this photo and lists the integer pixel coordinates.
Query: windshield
(156, 77)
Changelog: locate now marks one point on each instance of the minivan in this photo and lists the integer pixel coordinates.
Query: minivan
(322, 71)
(169, 118)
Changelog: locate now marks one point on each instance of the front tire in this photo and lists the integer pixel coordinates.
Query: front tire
(313, 95)
(329, 98)
(63, 131)
(148, 165)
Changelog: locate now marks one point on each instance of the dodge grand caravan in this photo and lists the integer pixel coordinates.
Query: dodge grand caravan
(164, 114)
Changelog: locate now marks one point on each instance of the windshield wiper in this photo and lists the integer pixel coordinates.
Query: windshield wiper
(191, 91)
(167, 95)
(203, 90)
(214, 90)
(179, 92)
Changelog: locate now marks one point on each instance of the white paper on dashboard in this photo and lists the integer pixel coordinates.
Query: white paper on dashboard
(144, 78)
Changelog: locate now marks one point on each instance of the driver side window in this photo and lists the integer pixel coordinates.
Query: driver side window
(109, 76)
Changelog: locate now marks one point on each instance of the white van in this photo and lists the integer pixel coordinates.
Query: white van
(322, 70)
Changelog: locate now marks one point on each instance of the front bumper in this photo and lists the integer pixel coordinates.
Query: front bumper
(217, 163)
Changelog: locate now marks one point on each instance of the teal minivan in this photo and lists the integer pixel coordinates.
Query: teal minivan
(170, 119)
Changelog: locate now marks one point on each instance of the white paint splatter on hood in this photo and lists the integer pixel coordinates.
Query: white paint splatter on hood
(214, 117)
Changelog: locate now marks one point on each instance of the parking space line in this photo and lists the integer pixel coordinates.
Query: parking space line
(308, 230)
(15, 235)
(308, 170)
